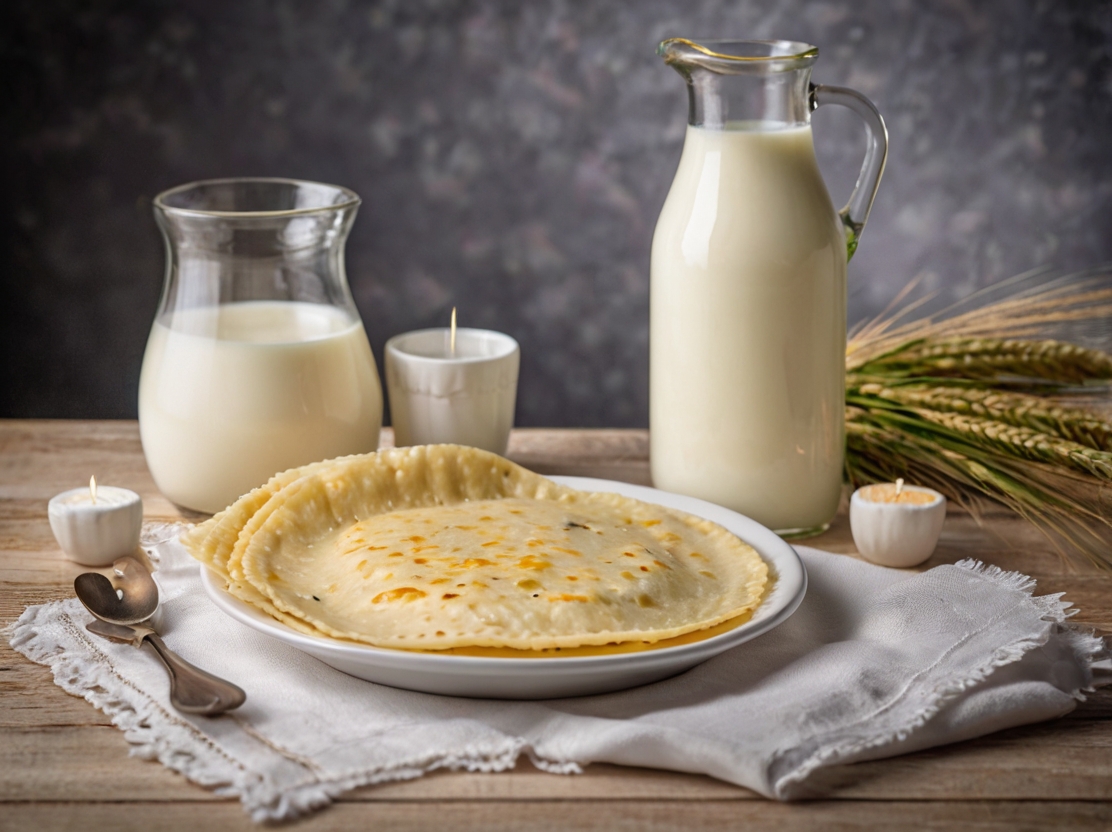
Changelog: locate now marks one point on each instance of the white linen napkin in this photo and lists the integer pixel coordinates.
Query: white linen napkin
(875, 662)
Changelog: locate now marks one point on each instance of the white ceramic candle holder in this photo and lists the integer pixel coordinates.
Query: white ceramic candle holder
(891, 531)
(465, 398)
(95, 534)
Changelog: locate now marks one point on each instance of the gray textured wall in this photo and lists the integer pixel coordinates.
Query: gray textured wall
(512, 157)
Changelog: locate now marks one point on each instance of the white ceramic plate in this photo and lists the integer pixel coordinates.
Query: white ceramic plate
(509, 678)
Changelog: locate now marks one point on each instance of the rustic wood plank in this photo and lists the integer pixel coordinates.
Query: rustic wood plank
(40, 458)
(1064, 760)
(1097, 705)
(606, 454)
(545, 816)
(91, 763)
(32, 700)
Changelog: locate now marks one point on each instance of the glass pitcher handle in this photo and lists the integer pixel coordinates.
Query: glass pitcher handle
(856, 212)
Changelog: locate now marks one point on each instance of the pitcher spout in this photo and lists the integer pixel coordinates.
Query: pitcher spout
(736, 81)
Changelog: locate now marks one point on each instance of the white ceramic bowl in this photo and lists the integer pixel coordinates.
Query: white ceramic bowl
(896, 534)
(511, 678)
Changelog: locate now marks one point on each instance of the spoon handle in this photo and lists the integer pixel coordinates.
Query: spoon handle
(192, 690)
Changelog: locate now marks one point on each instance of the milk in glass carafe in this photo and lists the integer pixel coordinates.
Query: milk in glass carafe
(748, 288)
(257, 360)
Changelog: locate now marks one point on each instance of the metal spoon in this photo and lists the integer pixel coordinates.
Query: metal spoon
(128, 599)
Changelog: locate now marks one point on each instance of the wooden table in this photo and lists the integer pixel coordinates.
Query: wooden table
(63, 765)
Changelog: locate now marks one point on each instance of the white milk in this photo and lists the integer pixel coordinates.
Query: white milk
(230, 395)
(748, 331)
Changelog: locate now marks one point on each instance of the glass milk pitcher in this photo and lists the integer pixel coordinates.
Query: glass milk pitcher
(748, 288)
(257, 360)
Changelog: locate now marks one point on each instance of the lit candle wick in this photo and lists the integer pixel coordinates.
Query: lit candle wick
(899, 486)
(452, 340)
(93, 489)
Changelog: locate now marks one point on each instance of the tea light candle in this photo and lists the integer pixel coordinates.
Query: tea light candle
(895, 524)
(98, 524)
(452, 385)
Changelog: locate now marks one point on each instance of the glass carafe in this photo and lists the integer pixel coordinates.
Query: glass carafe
(748, 288)
(257, 360)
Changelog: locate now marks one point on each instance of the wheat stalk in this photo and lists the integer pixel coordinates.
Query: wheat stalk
(980, 404)
(1079, 424)
(1024, 442)
(951, 467)
(1025, 312)
(991, 358)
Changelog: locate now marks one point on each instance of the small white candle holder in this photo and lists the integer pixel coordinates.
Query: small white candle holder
(895, 524)
(96, 525)
(463, 396)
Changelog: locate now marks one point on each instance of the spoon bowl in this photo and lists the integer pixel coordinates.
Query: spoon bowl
(130, 596)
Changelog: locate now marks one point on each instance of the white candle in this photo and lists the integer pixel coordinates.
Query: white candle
(894, 524)
(452, 385)
(98, 524)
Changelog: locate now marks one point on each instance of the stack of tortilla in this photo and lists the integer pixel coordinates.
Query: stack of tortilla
(439, 547)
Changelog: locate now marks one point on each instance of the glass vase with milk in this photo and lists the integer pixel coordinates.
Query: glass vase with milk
(748, 288)
(257, 360)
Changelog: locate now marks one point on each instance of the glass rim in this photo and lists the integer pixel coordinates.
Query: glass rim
(351, 200)
(718, 51)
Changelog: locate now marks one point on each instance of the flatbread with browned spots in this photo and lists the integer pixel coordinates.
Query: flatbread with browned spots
(439, 547)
